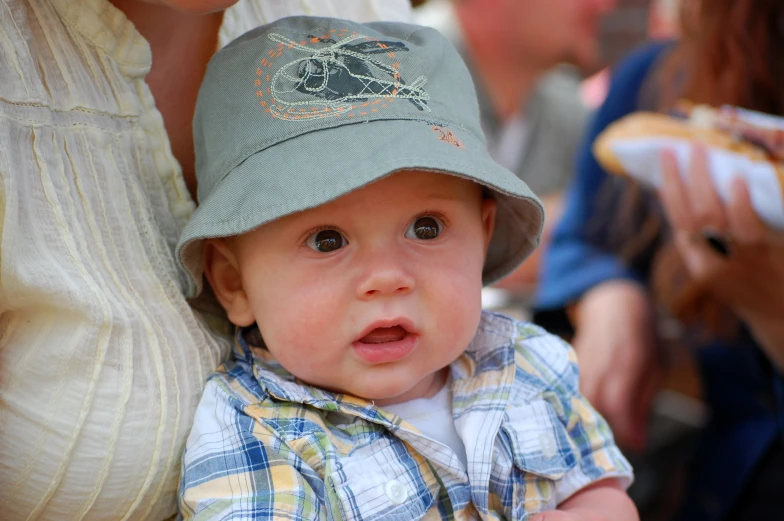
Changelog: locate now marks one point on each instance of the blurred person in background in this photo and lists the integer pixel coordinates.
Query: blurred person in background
(663, 19)
(622, 252)
(662, 24)
(532, 114)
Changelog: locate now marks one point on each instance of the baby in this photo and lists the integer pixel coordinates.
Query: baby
(349, 217)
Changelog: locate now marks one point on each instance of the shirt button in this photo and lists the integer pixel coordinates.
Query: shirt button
(547, 444)
(396, 492)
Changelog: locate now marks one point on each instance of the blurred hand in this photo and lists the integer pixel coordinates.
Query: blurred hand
(559, 515)
(619, 357)
(750, 280)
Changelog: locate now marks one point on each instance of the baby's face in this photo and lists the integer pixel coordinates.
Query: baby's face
(373, 294)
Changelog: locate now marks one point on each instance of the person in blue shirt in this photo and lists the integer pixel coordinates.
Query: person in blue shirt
(619, 252)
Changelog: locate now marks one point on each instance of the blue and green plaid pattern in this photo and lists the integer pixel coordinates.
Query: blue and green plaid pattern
(266, 446)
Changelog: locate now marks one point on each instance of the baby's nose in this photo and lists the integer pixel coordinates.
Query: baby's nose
(385, 275)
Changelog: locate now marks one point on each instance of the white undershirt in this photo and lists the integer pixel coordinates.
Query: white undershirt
(433, 417)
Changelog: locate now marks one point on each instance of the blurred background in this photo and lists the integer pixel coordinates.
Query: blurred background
(625, 25)
(615, 27)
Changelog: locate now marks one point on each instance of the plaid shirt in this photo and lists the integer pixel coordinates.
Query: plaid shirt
(266, 446)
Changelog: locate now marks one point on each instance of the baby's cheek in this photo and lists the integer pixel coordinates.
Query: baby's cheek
(303, 323)
(456, 297)
(298, 350)
(460, 278)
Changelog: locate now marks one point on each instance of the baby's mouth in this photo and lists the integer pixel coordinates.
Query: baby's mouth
(387, 341)
(382, 335)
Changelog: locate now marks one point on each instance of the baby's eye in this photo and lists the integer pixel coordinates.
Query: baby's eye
(424, 229)
(326, 241)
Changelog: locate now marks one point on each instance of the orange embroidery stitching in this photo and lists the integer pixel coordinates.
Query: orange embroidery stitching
(446, 136)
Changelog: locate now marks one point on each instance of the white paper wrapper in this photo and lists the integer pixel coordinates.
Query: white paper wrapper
(758, 119)
(640, 158)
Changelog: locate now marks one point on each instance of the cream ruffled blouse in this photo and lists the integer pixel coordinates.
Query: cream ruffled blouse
(102, 361)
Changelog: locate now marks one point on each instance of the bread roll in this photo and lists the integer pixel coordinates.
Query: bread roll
(738, 143)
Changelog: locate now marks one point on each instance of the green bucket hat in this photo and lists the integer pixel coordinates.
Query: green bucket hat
(302, 111)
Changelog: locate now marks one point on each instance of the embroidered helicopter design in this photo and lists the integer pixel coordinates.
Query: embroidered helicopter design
(342, 73)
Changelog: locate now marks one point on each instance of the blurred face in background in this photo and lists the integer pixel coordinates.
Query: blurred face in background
(663, 18)
(550, 31)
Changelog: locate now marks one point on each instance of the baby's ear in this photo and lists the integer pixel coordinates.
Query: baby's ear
(222, 271)
(489, 207)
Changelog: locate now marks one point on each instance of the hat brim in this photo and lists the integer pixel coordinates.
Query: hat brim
(345, 158)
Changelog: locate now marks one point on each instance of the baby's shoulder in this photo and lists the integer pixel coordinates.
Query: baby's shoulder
(543, 359)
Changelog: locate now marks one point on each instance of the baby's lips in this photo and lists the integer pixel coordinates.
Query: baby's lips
(387, 330)
(382, 335)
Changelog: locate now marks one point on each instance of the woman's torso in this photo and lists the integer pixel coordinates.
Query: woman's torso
(102, 361)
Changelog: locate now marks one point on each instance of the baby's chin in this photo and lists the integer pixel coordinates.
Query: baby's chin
(395, 391)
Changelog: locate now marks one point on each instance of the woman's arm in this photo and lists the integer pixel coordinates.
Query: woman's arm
(611, 310)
